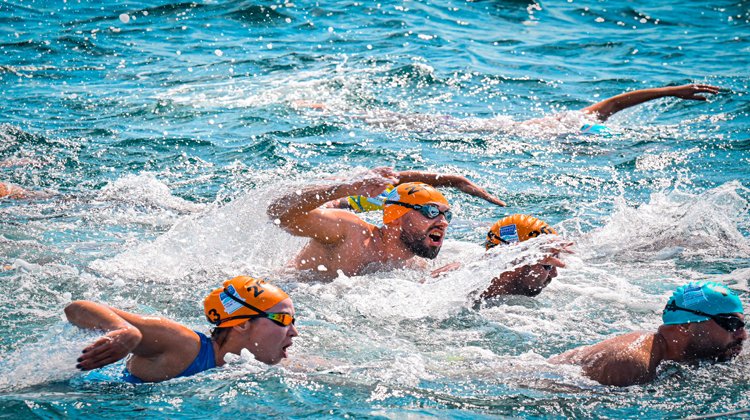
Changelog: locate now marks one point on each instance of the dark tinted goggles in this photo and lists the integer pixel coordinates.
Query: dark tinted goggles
(429, 211)
(729, 322)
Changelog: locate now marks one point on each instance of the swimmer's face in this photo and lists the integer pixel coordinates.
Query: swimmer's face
(535, 278)
(267, 340)
(424, 236)
(711, 341)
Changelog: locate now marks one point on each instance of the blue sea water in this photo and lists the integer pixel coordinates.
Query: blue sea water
(161, 130)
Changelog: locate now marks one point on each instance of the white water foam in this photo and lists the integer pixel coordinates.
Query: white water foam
(675, 223)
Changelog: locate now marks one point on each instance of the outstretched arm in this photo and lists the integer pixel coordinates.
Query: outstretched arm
(124, 333)
(436, 180)
(455, 181)
(299, 213)
(608, 107)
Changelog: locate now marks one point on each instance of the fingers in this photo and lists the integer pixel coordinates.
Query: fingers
(494, 200)
(101, 353)
(476, 191)
(707, 88)
(309, 104)
(553, 261)
(101, 360)
(442, 270)
(566, 248)
(385, 171)
(691, 92)
(101, 342)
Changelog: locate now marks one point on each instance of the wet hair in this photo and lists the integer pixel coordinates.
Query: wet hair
(220, 334)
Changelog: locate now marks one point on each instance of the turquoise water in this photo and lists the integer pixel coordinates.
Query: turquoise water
(162, 130)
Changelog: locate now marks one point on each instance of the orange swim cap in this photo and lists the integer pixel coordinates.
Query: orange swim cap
(516, 228)
(411, 193)
(224, 311)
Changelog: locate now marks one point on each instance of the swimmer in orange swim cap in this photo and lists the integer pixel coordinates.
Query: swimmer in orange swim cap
(415, 220)
(530, 279)
(247, 313)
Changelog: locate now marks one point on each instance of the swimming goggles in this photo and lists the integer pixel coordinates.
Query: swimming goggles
(729, 322)
(429, 211)
(280, 318)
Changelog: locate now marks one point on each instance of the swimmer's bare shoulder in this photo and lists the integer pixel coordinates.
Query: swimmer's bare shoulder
(348, 251)
(621, 361)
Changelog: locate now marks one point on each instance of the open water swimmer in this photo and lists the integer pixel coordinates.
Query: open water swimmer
(596, 114)
(528, 279)
(701, 321)
(415, 221)
(484, 187)
(247, 313)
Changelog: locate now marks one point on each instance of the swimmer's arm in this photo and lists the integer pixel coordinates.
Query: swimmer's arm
(300, 213)
(608, 107)
(620, 361)
(455, 181)
(618, 371)
(526, 280)
(120, 339)
(125, 333)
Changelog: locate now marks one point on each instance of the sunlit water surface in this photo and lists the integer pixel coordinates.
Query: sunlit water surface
(162, 130)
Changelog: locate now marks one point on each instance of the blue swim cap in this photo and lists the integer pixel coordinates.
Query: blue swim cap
(708, 297)
(596, 130)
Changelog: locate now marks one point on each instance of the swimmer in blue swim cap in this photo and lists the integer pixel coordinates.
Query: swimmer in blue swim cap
(599, 113)
(701, 321)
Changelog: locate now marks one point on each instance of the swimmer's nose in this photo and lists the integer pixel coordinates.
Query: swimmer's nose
(442, 221)
(293, 331)
(741, 334)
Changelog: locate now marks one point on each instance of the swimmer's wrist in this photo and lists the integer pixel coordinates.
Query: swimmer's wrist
(129, 336)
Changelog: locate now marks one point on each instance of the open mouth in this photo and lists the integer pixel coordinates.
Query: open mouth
(285, 349)
(436, 238)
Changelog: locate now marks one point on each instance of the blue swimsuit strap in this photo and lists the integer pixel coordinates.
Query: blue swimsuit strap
(205, 360)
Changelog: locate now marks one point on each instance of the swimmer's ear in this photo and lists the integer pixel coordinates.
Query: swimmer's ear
(244, 327)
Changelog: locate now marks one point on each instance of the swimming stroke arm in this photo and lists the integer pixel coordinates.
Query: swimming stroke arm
(124, 333)
(299, 212)
(608, 107)
(454, 181)
(120, 339)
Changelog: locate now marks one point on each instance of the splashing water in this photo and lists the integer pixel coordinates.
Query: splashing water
(159, 135)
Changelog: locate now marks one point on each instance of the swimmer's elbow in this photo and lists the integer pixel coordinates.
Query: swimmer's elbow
(275, 211)
(75, 308)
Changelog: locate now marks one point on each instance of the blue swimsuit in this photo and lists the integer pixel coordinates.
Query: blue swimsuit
(205, 360)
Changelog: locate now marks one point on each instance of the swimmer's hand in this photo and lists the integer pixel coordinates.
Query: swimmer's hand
(473, 189)
(553, 253)
(447, 180)
(309, 104)
(445, 269)
(110, 348)
(375, 181)
(692, 92)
